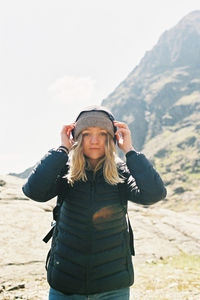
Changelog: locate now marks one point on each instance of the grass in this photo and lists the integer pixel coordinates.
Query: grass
(175, 277)
(182, 261)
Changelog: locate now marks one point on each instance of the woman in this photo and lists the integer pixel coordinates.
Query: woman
(90, 252)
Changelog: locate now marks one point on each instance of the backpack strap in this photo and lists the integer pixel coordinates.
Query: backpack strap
(131, 237)
(56, 209)
(122, 193)
(49, 235)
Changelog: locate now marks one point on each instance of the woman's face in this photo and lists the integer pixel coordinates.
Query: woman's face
(94, 139)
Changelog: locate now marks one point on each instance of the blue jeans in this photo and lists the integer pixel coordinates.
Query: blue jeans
(121, 294)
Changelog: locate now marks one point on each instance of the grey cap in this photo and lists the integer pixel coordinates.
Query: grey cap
(93, 118)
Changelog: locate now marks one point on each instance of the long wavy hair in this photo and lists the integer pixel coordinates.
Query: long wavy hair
(79, 163)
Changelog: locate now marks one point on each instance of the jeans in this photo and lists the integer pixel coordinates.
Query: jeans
(121, 294)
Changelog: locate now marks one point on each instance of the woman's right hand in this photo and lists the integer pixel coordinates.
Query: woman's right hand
(66, 138)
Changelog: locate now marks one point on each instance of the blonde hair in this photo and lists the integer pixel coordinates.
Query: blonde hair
(79, 163)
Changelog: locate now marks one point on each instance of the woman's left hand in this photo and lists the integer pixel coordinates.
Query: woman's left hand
(123, 135)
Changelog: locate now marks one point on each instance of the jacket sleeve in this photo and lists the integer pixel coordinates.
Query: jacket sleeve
(45, 180)
(143, 185)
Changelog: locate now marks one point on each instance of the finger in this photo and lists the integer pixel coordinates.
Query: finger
(69, 125)
(65, 128)
(123, 131)
(120, 124)
(69, 131)
(118, 137)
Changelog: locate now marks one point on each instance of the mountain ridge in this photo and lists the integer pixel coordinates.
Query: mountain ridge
(160, 102)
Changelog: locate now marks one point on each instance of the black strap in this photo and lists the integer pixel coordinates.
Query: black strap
(56, 209)
(48, 235)
(47, 259)
(131, 237)
(122, 193)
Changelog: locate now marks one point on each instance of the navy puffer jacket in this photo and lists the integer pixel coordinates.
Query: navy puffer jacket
(90, 250)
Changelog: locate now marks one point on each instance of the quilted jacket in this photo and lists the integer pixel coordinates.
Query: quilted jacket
(90, 251)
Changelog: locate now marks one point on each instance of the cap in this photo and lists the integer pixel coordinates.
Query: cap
(94, 116)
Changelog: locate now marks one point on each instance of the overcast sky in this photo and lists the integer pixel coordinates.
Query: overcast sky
(59, 56)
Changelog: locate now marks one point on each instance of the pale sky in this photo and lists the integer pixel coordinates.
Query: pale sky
(59, 56)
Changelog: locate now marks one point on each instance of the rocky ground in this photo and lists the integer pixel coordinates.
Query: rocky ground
(167, 242)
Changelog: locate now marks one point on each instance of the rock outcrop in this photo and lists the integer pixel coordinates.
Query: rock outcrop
(160, 101)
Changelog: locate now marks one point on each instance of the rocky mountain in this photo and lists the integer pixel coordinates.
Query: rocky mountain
(160, 101)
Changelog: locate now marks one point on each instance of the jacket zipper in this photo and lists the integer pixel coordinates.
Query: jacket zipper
(92, 197)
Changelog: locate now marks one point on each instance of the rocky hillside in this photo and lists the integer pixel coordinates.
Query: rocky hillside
(160, 101)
